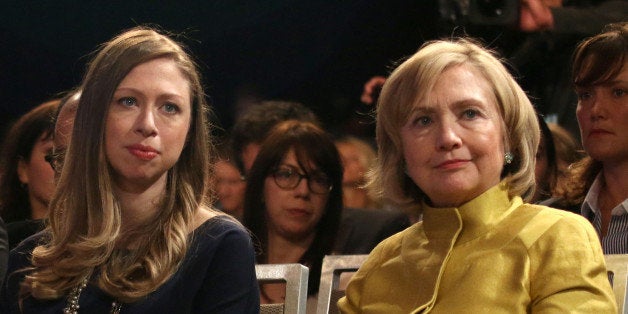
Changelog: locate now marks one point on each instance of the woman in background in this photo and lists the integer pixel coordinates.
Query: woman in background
(26, 179)
(358, 156)
(600, 181)
(293, 201)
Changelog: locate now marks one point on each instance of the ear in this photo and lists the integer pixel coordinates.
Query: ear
(22, 170)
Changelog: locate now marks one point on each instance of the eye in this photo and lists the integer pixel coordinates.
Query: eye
(321, 179)
(618, 92)
(422, 121)
(584, 95)
(284, 173)
(127, 101)
(171, 108)
(470, 113)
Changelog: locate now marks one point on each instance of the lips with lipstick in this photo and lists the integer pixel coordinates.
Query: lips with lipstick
(452, 164)
(142, 152)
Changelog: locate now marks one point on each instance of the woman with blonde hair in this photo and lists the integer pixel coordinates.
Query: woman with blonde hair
(130, 229)
(457, 139)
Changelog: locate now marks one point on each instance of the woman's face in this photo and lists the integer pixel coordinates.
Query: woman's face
(147, 123)
(230, 187)
(452, 144)
(293, 213)
(353, 164)
(603, 118)
(37, 174)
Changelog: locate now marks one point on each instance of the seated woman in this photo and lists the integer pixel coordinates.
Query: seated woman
(599, 182)
(358, 156)
(457, 138)
(293, 201)
(129, 227)
(26, 179)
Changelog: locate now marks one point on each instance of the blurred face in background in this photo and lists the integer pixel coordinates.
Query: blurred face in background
(38, 176)
(353, 162)
(230, 188)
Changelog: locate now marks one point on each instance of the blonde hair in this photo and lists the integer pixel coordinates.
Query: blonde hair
(367, 159)
(413, 79)
(84, 231)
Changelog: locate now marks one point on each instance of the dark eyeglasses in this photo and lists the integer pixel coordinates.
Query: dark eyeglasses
(288, 178)
(55, 159)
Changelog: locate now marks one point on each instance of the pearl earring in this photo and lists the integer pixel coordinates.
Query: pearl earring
(508, 158)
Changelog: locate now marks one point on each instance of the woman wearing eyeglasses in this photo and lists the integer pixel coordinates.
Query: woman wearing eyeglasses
(293, 201)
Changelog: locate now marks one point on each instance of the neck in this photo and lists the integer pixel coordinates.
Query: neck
(282, 250)
(39, 209)
(139, 204)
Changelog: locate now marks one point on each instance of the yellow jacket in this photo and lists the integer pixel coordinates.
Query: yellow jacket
(490, 255)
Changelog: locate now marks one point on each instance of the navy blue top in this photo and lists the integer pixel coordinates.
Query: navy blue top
(216, 276)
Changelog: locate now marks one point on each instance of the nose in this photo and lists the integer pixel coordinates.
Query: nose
(448, 138)
(145, 123)
(598, 110)
(302, 189)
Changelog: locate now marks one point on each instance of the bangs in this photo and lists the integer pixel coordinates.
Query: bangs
(600, 61)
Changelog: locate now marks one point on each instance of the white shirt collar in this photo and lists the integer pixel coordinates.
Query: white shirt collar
(590, 204)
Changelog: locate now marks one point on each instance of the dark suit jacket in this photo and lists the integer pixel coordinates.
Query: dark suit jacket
(362, 229)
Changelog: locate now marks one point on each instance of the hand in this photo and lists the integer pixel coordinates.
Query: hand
(371, 89)
(535, 15)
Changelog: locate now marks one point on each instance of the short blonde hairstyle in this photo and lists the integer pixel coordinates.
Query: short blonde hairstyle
(413, 80)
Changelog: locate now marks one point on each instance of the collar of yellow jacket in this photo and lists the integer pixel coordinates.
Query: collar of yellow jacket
(479, 215)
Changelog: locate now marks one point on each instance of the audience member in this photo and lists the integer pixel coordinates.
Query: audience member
(358, 156)
(229, 185)
(26, 180)
(545, 167)
(457, 136)
(568, 151)
(129, 229)
(599, 182)
(360, 229)
(551, 29)
(298, 176)
(253, 125)
(22, 229)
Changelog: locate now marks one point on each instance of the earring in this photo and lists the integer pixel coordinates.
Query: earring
(508, 158)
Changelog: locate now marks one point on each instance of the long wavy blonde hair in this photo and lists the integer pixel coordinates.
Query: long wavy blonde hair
(413, 79)
(84, 234)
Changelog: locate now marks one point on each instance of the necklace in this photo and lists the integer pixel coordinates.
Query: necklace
(73, 300)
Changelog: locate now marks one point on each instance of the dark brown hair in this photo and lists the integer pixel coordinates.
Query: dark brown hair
(311, 145)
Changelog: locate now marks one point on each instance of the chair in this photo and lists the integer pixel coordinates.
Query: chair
(330, 290)
(617, 267)
(295, 276)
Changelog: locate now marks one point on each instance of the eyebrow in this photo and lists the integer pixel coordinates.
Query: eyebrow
(135, 90)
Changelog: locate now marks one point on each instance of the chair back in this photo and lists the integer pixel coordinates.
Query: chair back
(617, 267)
(330, 289)
(295, 276)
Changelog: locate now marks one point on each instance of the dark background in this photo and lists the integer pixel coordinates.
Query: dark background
(316, 52)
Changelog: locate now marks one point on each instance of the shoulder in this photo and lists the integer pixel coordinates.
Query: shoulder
(219, 225)
(549, 225)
